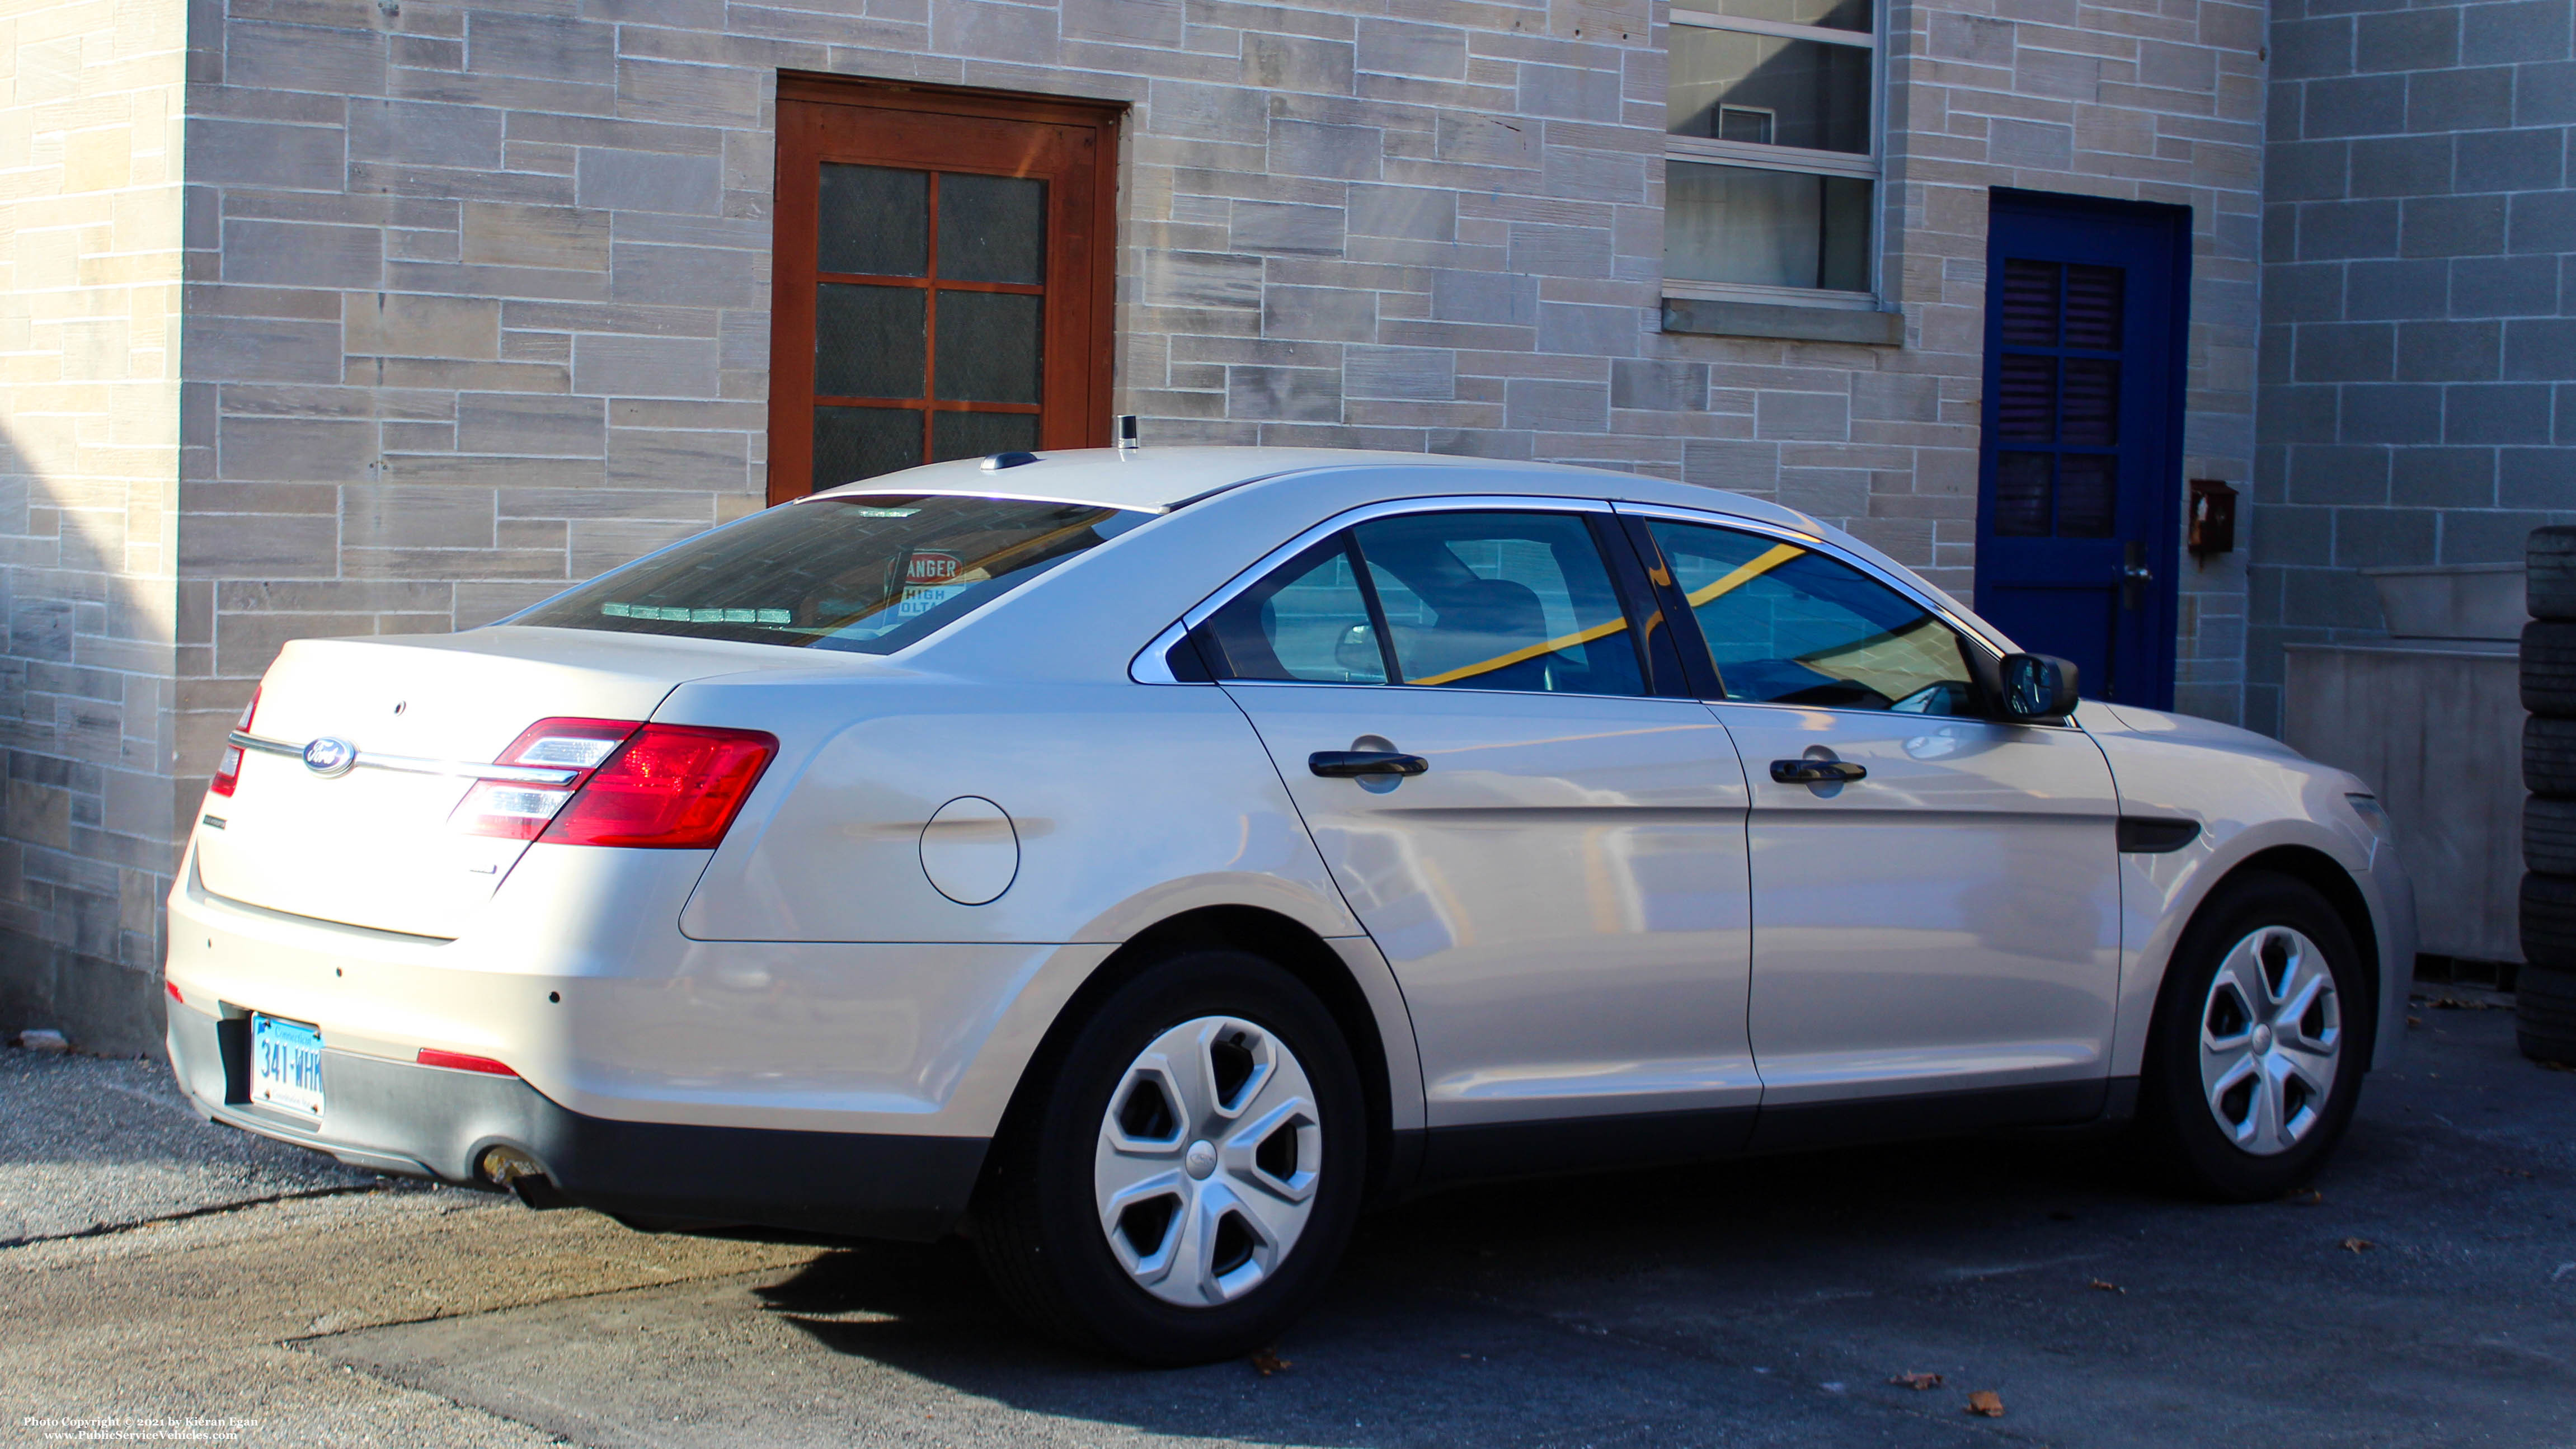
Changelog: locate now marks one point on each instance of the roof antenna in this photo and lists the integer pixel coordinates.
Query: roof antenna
(1126, 431)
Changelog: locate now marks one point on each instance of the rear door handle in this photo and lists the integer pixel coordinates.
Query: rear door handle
(1817, 772)
(1351, 764)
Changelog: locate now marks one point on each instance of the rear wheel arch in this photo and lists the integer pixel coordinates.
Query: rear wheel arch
(2321, 873)
(1278, 939)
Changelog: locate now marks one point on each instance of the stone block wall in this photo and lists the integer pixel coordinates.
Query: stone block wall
(476, 297)
(89, 420)
(2138, 101)
(2419, 379)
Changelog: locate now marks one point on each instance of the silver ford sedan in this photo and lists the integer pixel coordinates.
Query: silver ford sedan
(1146, 860)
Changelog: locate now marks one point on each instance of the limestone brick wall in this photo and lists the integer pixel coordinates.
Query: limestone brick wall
(89, 304)
(478, 296)
(2139, 101)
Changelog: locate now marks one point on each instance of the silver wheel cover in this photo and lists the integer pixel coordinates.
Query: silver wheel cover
(1208, 1159)
(2271, 1039)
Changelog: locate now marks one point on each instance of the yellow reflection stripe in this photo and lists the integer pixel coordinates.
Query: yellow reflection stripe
(1747, 573)
(1503, 661)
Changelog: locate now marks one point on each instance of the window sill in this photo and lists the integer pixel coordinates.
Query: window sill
(1713, 317)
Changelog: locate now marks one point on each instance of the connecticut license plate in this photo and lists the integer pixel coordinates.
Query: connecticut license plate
(286, 1065)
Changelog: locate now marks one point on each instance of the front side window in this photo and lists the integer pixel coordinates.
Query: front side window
(1517, 601)
(867, 573)
(1788, 625)
(1771, 149)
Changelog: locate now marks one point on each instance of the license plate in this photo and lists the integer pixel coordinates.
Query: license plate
(286, 1065)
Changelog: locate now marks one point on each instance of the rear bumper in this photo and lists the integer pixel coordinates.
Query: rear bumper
(433, 1122)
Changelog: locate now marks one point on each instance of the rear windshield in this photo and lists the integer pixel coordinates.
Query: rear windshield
(870, 573)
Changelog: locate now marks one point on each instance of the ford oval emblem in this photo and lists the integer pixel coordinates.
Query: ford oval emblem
(328, 757)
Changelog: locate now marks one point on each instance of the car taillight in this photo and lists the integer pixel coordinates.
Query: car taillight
(519, 809)
(671, 787)
(228, 769)
(666, 787)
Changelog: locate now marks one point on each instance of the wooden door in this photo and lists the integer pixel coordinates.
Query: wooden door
(943, 281)
(2079, 511)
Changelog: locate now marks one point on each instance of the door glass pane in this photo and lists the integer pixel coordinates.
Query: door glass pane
(2025, 397)
(2030, 303)
(1825, 14)
(992, 228)
(2089, 414)
(2021, 495)
(873, 220)
(1765, 228)
(1501, 601)
(2093, 307)
(2088, 494)
(1733, 85)
(868, 341)
(1788, 625)
(855, 443)
(988, 347)
(976, 435)
(1307, 621)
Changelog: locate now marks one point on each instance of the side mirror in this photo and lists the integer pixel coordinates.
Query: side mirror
(2037, 686)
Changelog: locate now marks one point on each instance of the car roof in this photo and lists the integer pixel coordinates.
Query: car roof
(1158, 480)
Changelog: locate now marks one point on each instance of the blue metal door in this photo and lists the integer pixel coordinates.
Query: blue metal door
(2078, 469)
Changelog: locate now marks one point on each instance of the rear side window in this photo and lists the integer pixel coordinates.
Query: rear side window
(868, 573)
(1515, 601)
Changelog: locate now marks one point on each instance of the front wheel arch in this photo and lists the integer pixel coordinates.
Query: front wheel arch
(2319, 872)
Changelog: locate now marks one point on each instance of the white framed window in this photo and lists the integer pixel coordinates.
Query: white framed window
(1771, 151)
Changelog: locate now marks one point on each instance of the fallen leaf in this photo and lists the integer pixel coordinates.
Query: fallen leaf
(2109, 1287)
(2358, 1245)
(1917, 1381)
(2414, 1021)
(2309, 1198)
(1269, 1362)
(2515, 1171)
(1986, 1402)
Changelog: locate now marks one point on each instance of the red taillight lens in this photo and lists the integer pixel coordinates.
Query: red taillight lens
(228, 769)
(671, 787)
(460, 1062)
(519, 810)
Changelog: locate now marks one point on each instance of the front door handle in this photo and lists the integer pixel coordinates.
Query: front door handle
(1352, 764)
(1817, 772)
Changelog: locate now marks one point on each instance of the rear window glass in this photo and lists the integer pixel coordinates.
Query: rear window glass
(870, 573)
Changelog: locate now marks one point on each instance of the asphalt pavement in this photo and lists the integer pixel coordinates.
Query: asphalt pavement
(166, 1270)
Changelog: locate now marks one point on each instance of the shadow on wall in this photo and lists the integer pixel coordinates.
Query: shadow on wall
(88, 809)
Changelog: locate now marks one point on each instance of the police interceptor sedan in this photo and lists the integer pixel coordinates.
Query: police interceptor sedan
(1143, 861)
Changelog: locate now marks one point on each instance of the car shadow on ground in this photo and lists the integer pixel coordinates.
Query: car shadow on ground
(1596, 1309)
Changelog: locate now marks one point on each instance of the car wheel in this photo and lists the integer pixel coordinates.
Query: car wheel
(2254, 1061)
(2549, 756)
(1179, 1183)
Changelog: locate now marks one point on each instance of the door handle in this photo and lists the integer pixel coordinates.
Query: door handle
(1352, 764)
(2134, 576)
(1817, 772)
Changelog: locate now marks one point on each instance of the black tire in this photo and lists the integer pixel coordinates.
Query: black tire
(2549, 920)
(2544, 1014)
(2549, 835)
(1037, 1221)
(2549, 756)
(2549, 577)
(2175, 1118)
(2549, 668)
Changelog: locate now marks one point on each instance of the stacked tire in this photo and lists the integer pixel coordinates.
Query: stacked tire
(2545, 990)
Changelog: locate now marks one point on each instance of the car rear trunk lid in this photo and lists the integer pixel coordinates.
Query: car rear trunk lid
(374, 846)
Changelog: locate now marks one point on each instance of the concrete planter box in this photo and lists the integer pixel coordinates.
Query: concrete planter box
(2432, 718)
(2451, 601)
